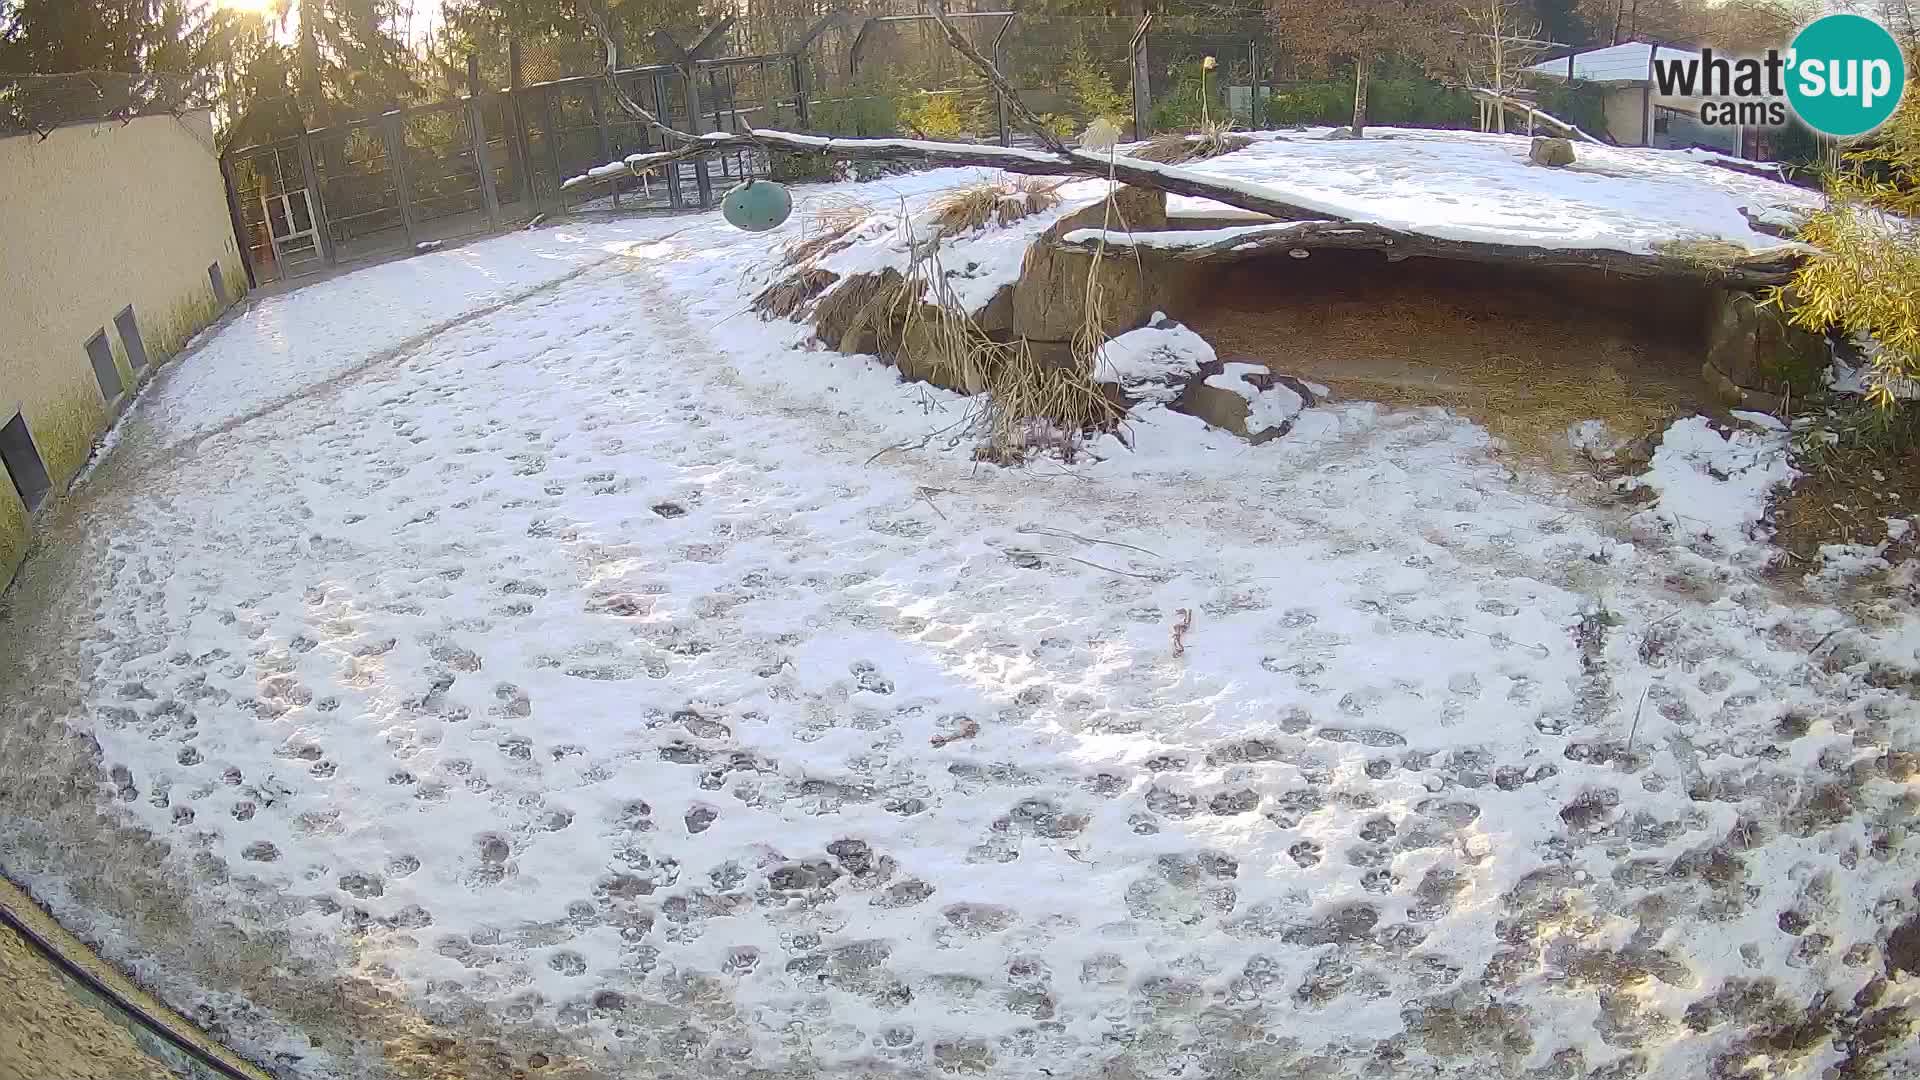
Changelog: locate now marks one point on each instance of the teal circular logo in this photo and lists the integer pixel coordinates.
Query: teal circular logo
(1846, 74)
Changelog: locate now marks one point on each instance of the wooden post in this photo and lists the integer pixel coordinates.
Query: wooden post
(303, 145)
(1142, 79)
(395, 139)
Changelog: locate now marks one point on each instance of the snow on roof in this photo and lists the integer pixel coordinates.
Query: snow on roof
(1615, 64)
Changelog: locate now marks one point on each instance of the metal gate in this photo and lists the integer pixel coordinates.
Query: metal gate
(290, 226)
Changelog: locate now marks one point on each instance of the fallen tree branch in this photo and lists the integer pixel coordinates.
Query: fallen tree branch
(1013, 159)
(1539, 117)
(1033, 124)
(1773, 266)
(596, 14)
(1056, 160)
(1312, 227)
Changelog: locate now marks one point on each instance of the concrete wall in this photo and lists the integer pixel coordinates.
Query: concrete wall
(1626, 112)
(93, 218)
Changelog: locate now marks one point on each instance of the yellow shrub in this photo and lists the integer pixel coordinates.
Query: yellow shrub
(1866, 277)
(936, 116)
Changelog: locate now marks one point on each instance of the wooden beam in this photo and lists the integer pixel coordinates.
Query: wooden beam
(1773, 266)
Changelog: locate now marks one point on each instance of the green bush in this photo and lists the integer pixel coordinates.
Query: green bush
(1582, 105)
(802, 168)
(1321, 102)
(1180, 108)
(1093, 91)
(866, 109)
(1401, 101)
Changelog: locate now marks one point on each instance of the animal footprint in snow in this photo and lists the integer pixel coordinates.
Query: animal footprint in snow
(701, 727)
(867, 677)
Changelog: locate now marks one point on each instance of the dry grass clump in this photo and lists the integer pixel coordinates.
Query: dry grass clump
(788, 295)
(1175, 148)
(1001, 202)
(1707, 254)
(1028, 403)
(829, 222)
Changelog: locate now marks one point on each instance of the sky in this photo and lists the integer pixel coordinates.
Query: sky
(418, 19)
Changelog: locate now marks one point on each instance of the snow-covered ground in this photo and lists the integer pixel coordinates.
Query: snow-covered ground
(526, 641)
(1462, 185)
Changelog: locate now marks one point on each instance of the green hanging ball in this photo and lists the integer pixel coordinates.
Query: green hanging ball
(757, 205)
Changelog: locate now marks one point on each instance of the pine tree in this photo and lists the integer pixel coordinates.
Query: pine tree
(348, 59)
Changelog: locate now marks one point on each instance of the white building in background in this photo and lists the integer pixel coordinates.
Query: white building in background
(1637, 114)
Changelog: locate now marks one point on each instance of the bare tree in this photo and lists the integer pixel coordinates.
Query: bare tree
(1319, 33)
(1499, 43)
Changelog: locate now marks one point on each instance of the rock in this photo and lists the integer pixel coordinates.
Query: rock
(1550, 151)
(1135, 208)
(1739, 397)
(1754, 359)
(1245, 398)
(1049, 299)
(838, 317)
(996, 319)
(918, 355)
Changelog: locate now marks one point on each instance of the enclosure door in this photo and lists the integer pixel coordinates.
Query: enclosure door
(296, 243)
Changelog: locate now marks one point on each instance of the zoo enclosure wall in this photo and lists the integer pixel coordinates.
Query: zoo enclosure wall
(114, 233)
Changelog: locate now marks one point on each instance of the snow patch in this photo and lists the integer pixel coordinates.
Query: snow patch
(1153, 362)
(1713, 487)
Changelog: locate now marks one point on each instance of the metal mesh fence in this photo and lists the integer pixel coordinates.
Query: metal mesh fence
(899, 76)
(421, 174)
(41, 103)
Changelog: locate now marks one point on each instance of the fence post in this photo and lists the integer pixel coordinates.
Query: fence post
(477, 132)
(489, 195)
(690, 79)
(522, 168)
(673, 167)
(1000, 100)
(1142, 80)
(395, 139)
(551, 96)
(800, 91)
(599, 106)
(316, 200)
(1254, 118)
(240, 238)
